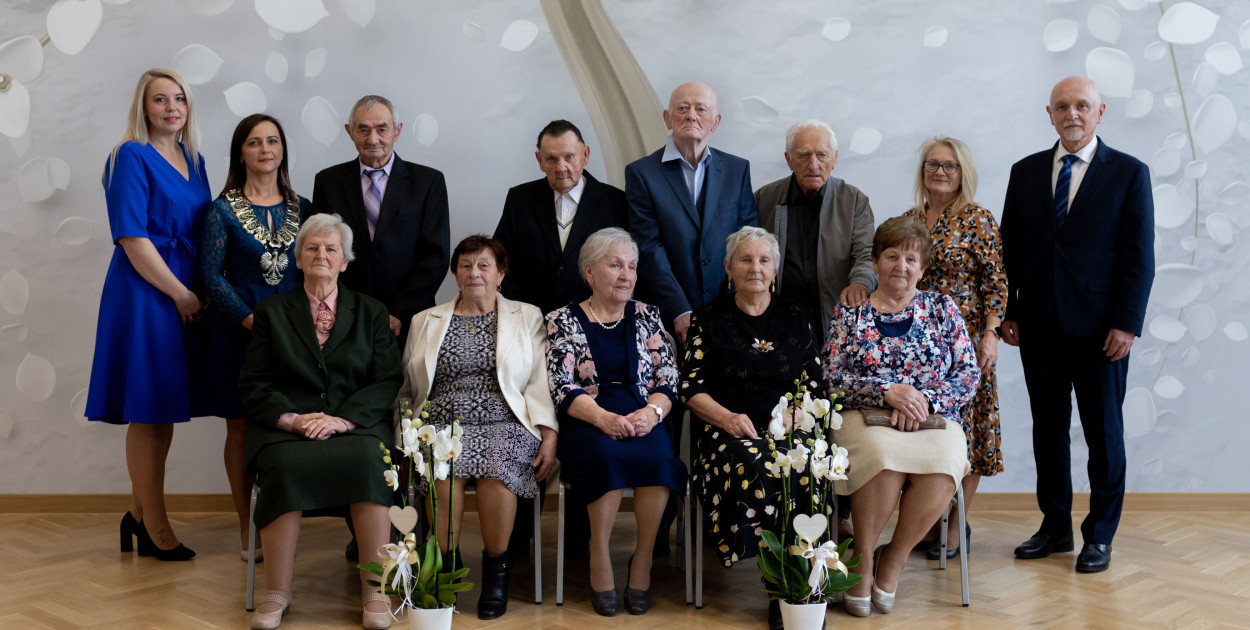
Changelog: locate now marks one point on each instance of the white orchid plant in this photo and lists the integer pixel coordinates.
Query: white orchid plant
(411, 572)
(802, 563)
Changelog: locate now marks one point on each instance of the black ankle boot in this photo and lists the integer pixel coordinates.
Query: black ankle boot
(496, 571)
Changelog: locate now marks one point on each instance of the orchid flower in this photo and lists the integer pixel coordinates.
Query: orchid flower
(835, 420)
(820, 447)
(392, 479)
(839, 462)
(798, 457)
(427, 433)
(441, 469)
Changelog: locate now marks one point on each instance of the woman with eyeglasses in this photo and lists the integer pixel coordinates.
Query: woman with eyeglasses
(968, 266)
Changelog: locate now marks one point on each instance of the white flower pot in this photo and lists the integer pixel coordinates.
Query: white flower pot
(802, 616)
(429, 619)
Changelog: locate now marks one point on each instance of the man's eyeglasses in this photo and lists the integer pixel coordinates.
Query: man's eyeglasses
(950, 168)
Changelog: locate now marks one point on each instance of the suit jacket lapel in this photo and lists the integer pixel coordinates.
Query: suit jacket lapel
(344, 318)
(440, 321)
(677, 180)
(1090, 182)
(712, 180)
(505, 331)
(354, 213)
(396, 190)
(300, 316)
(545, 209)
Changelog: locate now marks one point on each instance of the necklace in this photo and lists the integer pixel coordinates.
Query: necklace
(274, 261)
(879, 303)
(595, 315)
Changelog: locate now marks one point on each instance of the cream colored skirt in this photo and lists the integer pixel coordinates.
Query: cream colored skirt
(874, 449)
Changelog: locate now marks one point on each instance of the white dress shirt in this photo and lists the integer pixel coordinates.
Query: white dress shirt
(1079, 166)
(694, 173)
(566, 209)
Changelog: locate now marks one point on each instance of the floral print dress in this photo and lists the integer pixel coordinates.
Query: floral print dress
(968, 266)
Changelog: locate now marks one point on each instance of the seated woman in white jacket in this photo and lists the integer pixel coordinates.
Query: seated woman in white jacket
(480, 359)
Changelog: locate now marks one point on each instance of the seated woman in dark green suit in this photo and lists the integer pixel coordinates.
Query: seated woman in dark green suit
(317, 382)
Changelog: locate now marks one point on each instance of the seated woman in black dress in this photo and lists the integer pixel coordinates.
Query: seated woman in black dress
(317, 382)
(612, 378)
(743, 353)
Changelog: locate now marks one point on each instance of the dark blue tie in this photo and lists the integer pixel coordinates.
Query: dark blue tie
(1061, 188)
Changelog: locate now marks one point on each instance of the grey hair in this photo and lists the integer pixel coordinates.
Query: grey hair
(599, 244)
(810, 124)
(319, 224)
(367, 103)
(750, 234)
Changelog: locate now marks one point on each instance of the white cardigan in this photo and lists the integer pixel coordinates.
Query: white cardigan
(520, 357)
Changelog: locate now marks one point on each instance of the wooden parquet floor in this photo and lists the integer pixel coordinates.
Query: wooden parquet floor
(1177, 570)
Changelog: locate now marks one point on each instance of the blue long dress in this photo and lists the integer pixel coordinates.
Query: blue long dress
(147, 367)
(231, 270)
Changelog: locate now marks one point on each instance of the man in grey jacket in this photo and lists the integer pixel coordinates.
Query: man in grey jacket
(823, 225)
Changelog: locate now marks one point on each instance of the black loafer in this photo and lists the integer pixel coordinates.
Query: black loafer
(1042, 545)
(1094, 558)
(605, 603)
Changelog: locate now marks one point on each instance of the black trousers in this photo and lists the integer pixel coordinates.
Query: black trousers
(1057, 364)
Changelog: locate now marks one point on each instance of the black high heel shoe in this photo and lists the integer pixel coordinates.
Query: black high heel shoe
(130, 528)
(637, 601)
(935, 552)
(147, 548)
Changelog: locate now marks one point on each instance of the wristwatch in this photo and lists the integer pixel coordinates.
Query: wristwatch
(658, 412)
(998, 331)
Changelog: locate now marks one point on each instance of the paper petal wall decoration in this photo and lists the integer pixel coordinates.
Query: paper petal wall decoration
(1150, 356)
(1234, 193)
(759, 110)
(1166, 328)
(1139, 412)
(935, 37)
(14, 292)
(1168, 387)
(78, 407)
(1104, 23)
(21, 144)
(321, 121)
(314, 62)
(36, 378)
(75, 231)
(1176, 285)
(836, 29)
(1165, 162)
(276, 34)
(1214, 123)
(291, 16)
(1187, 23)
(116, 3)
(427, 130)
(1224, 57)
(865, 141)
(276, 67)
(1152, 467)
(1172, 99)
(245, 99)
(1176, 141)
(1060, 35)
(1205, 78)
(359, 11)
(6, 423)
(1156, 51)
(41, 177)
(197, 63)
(208, 8)
(473, 31)
(518, 36)
(22, 58)
(13, 333)
(1243, 35)
(1139, 104)
(1133, 5)
(1220, 227)
(1190, 357)
(1200, 320)
(1112, 70)
(72, 24)
(1172, 209)
(1235, 331)
(1196, 169)
(1188, 243)
(14, 110)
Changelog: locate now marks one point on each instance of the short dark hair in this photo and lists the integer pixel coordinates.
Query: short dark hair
(905, 232)
(476, 243)
(557, 128)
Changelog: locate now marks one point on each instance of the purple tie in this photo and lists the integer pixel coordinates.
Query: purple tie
(373, 199)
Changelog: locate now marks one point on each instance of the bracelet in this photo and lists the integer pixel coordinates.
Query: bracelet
(658, 411)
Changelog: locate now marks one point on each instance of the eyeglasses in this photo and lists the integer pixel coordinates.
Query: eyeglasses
(932, 166)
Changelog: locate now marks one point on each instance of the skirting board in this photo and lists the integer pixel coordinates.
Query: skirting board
(984, 502)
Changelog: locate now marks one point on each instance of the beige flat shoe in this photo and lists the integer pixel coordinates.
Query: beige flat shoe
(882, 600)
(272, 619)
(373, 619)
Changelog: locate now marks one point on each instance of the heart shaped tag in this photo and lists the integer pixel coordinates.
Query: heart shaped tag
(405, 518)
(810, 527)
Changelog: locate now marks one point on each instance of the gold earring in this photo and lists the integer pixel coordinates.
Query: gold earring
(772, 288)
(730, 284)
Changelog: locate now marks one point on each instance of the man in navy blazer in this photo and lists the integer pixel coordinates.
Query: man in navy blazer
(396, 209)
(546, 221)
(684, 201)
(1078, 246)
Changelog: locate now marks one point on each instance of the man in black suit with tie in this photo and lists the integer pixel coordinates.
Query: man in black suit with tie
(401, 207)
(1078, 246)
(545, 221)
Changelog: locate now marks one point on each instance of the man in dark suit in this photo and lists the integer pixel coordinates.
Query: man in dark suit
(545, 221)
(1078, 246)
(396, 209)
(684, 201)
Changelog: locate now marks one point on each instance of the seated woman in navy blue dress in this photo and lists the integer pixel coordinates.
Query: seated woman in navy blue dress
(613, 380)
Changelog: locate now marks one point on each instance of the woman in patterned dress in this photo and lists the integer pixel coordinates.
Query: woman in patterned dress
(245, 257)
(479, 359)
(743, 353)
(613, 379)
(908, 351)
(967, 266)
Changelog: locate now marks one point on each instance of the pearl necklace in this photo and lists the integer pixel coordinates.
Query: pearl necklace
(618, 321)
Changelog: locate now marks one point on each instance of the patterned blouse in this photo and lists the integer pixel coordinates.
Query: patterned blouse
(935, 355)
(571, 369)
(967, 264)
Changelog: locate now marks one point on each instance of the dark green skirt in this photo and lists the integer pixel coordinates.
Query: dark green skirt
(305, 475)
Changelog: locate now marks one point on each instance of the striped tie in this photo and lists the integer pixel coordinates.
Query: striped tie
(373, 200)
(1061, 188)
